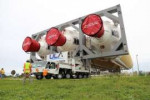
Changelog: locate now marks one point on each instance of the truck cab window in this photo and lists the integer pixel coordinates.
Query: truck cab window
(52, 66)
(48, 65)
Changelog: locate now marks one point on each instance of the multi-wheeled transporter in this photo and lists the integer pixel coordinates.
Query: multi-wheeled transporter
(82, 46)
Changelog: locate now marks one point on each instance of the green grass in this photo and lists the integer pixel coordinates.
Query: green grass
(95, 88)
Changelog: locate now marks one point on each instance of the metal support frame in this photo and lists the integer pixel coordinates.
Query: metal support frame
(82, 51)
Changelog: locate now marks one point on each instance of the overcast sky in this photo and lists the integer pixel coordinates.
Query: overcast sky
(21, 18)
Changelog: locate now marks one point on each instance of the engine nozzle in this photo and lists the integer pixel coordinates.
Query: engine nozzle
(92, 25)
(55, 38)
(30, 45)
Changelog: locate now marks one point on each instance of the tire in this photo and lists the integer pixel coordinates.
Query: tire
(39, 77)
(68, 76)
(88, 75)
(74, 76)
(48, 76)
(84, 76)
(80, 76)
(59, 76)
(55, 77)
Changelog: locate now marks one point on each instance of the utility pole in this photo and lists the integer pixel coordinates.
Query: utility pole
(137, 63)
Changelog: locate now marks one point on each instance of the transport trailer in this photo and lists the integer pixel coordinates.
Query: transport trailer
(59, 70)
(61, 65)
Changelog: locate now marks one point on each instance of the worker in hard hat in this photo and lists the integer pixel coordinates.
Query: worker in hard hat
(45, 72)
(27, 71)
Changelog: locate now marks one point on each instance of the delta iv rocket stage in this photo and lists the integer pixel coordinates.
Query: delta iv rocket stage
(97, 39)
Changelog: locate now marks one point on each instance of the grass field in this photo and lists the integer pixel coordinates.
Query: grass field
(95, 88)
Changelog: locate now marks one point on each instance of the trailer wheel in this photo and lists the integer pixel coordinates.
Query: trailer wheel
(88, 75)
(55, 77)
(80, 76)
(59, 76)
(39, 77)
(68, 76)
(85, 76)
(74, 76)
(48, 76)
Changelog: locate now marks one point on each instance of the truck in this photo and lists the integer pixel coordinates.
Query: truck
(61, 66)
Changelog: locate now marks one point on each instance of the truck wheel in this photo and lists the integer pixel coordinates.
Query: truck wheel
(88, 75)
(74, 76)
(68, 76)
(48, 76)
(55, 77)
(59, 76)
(39, 77)
(84, 76)
(80, 76)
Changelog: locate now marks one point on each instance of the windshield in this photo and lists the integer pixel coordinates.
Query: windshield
(50, 65)
(39, 64)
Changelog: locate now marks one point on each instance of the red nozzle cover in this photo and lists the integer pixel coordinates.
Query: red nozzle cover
(30, 45)
(55, 38)
(92, 25)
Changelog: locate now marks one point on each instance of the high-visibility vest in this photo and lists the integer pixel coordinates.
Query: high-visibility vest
(27, 67)
(45, 72)
(2, 72)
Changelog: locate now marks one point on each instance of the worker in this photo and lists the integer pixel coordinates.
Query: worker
(2, 73)
(45, 72)
(27, 71)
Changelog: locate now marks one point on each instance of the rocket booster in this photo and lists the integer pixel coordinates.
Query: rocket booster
(31, 45)
(100, 36)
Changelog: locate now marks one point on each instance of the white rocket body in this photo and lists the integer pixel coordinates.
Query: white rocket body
(69, 45)
(43, 52)
(105, 43)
